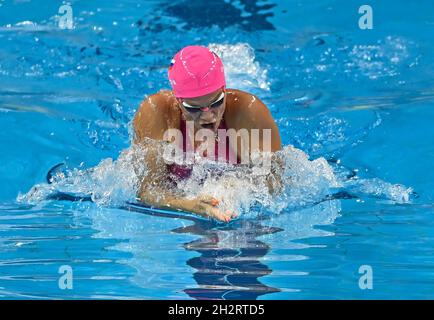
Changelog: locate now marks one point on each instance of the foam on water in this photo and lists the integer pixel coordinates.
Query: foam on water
(111, 182)
(301, 182)
(245, 190)
(375, 187)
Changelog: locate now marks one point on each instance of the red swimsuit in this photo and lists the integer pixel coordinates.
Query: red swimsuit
(184, 171)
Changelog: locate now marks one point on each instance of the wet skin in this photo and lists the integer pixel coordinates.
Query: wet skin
(162, 111)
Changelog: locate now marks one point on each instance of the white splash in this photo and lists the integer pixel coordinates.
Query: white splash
(109, 183)
(300, 183)
(240, 188)
(396, 193)
(241, 69)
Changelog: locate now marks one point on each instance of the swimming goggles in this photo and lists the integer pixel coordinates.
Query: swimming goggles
(214, 105)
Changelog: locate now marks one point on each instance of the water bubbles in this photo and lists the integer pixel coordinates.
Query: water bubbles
(381, 59)
(330, 57)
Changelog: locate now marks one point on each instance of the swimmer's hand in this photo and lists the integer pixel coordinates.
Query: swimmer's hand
(205, 206)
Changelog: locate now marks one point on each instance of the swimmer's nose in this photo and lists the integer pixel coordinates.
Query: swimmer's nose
(207, 116)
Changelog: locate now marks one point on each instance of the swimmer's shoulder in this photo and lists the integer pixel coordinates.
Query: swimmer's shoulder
(246, 111)
(236, 97)
(156, 113)
(242, 104)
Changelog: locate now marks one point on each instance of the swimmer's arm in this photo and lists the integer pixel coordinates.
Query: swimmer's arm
(274, 178)
(149, 126)
(165, 198)
(155, 190)
(160, 197)
(256, 115)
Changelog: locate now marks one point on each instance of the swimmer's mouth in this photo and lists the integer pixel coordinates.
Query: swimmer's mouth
(209, 126)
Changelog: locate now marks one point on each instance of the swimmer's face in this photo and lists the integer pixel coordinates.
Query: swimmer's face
(206, 111)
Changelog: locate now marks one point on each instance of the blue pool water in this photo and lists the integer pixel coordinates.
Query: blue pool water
(359, 103)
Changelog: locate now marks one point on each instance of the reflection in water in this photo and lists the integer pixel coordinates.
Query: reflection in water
(229, 266)
(227, 259)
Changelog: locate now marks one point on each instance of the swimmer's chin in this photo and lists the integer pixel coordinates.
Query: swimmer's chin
(209, 126)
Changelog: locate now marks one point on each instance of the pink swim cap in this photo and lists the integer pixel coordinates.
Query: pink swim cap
(196, 71)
